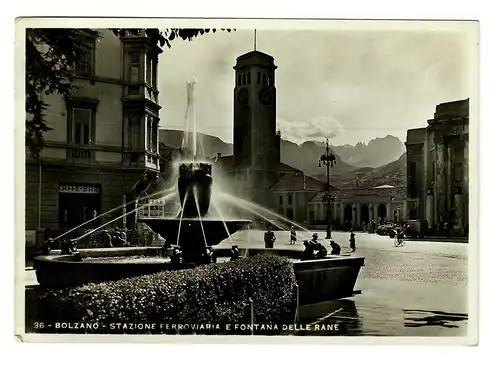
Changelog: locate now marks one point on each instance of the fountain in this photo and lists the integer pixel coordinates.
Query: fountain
(191, 229)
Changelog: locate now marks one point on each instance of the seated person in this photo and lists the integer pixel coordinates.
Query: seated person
(321, 252)
(335, 248)
(308, 252)
(119, 239)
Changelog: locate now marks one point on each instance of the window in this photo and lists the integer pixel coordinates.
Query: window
(154, 149)
(134, 125)
(133, 68)
(149, 71)
(244, 79)
(281, 199)
(151, 134)
(258, 77)
(457, 172)
(155, 73)
(289, 198)
(82, 126)
(84, 66)
(249, 80)
(264, 79)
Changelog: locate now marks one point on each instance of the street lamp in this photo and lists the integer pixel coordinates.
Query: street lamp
(328, 159)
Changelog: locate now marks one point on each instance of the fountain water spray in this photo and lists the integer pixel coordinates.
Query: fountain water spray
(199, 215)
(236, 201)
(263, 217)
(107, 223)
(114, 209)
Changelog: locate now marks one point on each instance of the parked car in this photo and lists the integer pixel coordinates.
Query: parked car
(385, 229)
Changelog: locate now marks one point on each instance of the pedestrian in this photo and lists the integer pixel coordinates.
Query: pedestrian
(363, 226)
(293, 236)
(269, 238)
(335, 248)
(352, 241)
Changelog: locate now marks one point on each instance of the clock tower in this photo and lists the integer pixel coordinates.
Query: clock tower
(255, 140)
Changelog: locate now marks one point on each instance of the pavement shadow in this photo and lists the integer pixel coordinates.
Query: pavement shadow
(423, 318)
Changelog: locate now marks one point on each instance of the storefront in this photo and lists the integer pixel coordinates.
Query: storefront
(79, 203)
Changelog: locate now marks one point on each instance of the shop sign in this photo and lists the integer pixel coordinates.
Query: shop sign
(79, 189)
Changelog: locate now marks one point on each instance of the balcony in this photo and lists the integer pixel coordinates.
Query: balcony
(79, 154)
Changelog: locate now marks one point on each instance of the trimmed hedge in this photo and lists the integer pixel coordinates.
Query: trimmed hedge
(216, 294)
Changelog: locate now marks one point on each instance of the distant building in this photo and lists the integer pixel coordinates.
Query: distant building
(384, 202)
(103, 145)
(437, 168)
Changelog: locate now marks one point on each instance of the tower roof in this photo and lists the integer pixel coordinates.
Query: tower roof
(255, 58)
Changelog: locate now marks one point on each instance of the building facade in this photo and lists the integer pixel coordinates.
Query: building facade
(437, 168)
(361, 205)
(103, 146)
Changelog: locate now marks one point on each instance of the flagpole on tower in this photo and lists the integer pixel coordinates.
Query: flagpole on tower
(254, 40)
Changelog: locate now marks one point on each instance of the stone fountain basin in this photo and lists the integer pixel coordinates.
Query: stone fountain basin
(318, 280)
(191, 231)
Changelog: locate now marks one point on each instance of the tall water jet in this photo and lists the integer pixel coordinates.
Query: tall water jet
(191, 229)
(189, 140)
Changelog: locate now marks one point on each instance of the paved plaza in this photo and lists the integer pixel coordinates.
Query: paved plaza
(417, 290)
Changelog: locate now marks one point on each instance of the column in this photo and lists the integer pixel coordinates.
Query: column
(465, 197)
(358, 214)
(341, 213)
(375, 212)
(440, 183)
(389, 211)
(450, 190)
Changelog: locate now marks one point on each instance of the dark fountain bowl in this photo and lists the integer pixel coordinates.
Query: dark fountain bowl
(191, 230)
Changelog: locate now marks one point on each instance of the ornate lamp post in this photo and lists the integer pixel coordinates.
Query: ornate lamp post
(328, 159)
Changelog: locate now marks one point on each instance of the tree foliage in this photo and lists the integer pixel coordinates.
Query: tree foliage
(164, 37)
(51, 55)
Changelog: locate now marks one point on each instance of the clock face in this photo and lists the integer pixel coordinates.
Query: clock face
(265, 96)
(243, 96)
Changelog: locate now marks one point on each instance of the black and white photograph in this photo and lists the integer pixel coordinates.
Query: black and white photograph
(249, 179)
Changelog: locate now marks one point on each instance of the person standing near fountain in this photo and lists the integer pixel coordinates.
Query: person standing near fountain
(293, 236)
(352, 241)
(269, 238)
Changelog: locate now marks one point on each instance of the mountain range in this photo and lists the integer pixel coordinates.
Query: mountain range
(380, 162)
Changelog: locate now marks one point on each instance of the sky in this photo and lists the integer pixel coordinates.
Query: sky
(345, 85)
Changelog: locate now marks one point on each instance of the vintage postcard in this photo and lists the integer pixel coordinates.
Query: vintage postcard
(254, 181)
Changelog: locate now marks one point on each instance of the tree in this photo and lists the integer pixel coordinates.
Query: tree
(51, 56)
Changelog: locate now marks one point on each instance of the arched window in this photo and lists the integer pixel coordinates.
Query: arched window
(249, 80)
(264, 79)
(244, 79)
(239, 80)
(258, 77)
